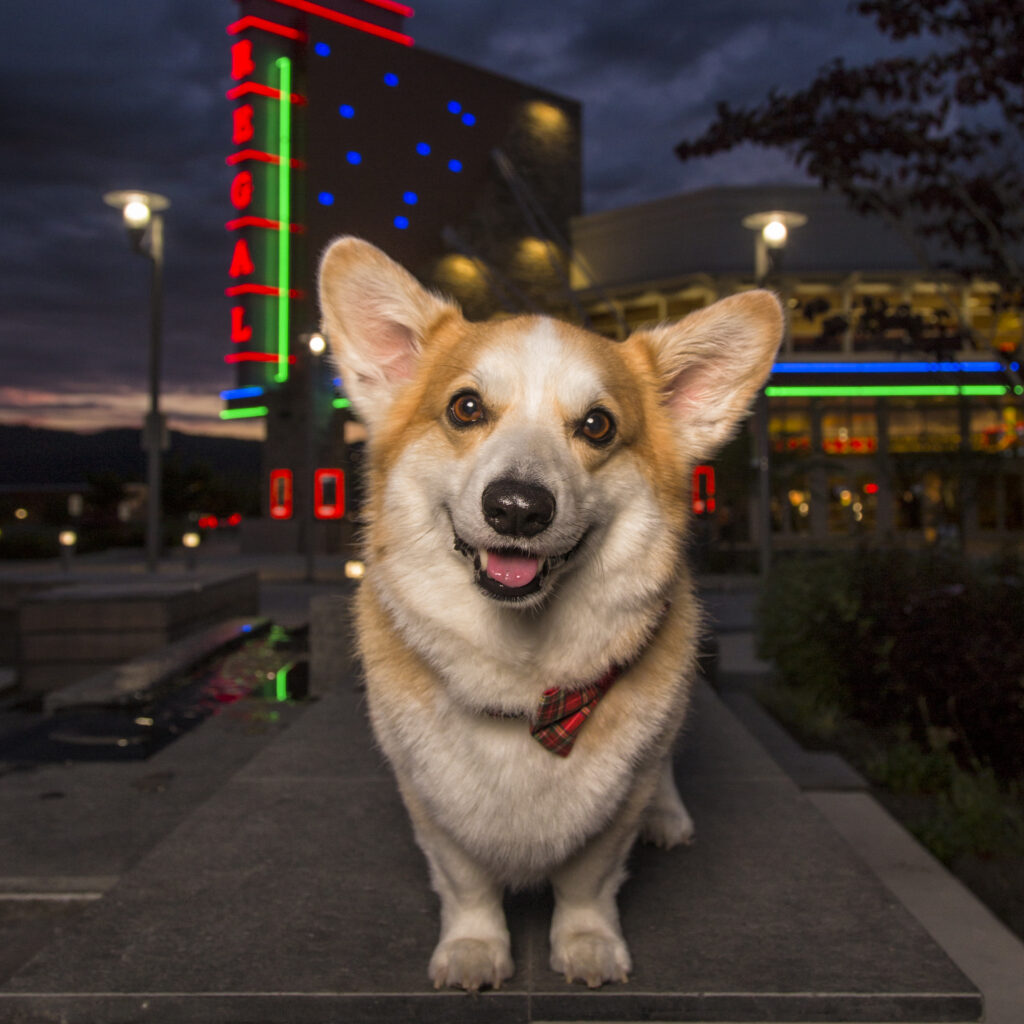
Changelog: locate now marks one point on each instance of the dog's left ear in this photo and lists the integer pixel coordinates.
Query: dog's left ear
(377, 317)
(712, 363)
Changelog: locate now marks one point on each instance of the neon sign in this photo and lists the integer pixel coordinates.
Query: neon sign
(267, 91)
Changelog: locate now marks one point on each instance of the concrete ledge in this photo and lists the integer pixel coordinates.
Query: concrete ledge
(151, 671)
(70, 632)
(297, 893)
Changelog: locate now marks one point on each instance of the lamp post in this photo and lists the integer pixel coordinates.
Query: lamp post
(772, 229)
(143, 217)
(317, 345)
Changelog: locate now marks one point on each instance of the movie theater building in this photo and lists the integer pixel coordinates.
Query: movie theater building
(339, 124)
(882, 418)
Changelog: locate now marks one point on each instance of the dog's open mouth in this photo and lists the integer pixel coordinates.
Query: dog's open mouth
(510, 574)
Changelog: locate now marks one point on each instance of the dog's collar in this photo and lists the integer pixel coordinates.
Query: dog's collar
(561, 714)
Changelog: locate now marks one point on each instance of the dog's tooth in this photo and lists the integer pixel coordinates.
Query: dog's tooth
(482, 555)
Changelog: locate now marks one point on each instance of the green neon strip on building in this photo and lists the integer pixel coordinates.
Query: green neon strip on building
(281, 683)
(341, 403)
(242, 414)
(887, 391)
(284, 213)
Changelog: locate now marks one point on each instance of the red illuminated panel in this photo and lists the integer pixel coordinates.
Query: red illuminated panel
(281, 495)
(266, 26)
(357, 23)
(329, 493)
(704, 490)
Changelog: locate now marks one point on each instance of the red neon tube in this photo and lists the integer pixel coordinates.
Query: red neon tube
(262, 222)
(262, 90)
(357, 23)
(267, 26)
(256, 357)
(256, 154)
(261, 289)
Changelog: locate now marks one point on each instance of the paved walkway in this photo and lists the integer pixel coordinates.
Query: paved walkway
(263, 870)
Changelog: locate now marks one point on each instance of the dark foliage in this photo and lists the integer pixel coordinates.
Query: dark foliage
(920, 640)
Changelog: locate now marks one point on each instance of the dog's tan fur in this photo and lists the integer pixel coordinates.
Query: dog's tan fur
(454, 671)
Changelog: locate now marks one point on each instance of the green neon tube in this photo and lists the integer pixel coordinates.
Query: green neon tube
(284, 213)
(341, 403)
(281, 683)
(241, 414)
(887, 391)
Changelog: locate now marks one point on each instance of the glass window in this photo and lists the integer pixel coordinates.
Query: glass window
(850, 428)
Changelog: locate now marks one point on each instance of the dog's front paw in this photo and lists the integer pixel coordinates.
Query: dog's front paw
(471, 964)
(667, 827)
(591, 956)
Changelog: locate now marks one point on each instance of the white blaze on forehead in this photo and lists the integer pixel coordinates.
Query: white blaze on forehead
(532, 370)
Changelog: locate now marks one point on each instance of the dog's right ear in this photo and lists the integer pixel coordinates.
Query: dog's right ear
(376, 316)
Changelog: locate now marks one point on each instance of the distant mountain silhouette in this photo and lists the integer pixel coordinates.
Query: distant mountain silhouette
(30, 456)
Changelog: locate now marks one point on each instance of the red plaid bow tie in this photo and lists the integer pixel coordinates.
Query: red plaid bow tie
(561, 713)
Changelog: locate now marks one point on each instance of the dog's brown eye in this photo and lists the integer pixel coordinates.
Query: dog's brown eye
(598, 427)
(466, 409)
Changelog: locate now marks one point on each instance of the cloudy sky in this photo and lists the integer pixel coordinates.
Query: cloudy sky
(130, 93)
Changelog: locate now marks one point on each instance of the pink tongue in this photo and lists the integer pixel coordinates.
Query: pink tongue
(511, 570)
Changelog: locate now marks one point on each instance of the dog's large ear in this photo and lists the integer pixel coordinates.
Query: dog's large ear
(376, 316)
(713, 362)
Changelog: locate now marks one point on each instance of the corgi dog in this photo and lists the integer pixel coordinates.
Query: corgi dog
(527, 626)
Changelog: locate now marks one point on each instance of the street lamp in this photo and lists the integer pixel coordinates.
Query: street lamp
(772, 227)
(317, 346)
(143, 218)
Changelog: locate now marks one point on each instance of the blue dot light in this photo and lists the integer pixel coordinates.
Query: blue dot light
(325, 198)
(411, 198)
(391, 79)
(401, 223)
(353, 157)
(455, 166)
(454, 107)
(468, 119)
(423, 148)
(347, 110)
(322, 50)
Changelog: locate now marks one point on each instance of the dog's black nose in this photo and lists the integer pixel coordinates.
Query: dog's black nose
(515, 508)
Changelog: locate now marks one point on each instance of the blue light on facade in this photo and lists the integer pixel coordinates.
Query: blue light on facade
(455, 166)
(468, 119)
(347, 110)
(353, 157)
(401, 223)
(325, 198)
(423, 148)
(322, 50)
(454, 107)
(411, 198)
(391, 79)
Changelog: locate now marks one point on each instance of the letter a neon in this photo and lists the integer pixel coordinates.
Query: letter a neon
(241, 261)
